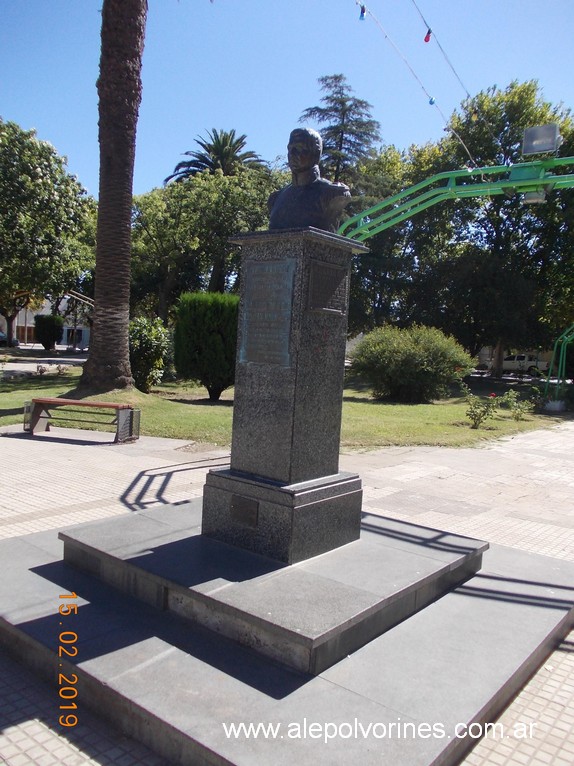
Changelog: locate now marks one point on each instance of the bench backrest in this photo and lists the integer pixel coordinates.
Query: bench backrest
(62, 402)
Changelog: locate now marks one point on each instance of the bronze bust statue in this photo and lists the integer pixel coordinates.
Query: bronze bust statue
(309, 200)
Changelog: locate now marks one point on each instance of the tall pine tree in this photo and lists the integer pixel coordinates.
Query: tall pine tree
(350, 132)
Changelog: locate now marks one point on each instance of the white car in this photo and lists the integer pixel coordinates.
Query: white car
(524, 364)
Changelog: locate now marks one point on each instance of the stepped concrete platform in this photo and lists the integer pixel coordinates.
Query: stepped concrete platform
(309, 615)
(406, 698)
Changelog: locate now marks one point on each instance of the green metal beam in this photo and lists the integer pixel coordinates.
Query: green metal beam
(559, 359)
(459, 184)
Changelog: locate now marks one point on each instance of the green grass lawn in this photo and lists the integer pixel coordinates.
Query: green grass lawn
(182, 410)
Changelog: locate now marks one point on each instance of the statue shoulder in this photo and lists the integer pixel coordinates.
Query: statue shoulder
(335, 196)
(334, 189)
(272, 199)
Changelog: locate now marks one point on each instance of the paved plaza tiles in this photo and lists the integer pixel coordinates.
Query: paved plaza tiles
(516, 492)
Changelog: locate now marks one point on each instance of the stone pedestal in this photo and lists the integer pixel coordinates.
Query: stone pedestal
(284, 496)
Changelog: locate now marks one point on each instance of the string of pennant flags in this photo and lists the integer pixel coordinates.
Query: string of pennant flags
(427, 39)
(365, 12)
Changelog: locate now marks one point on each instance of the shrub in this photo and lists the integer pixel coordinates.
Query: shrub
(205, 340)
(518, 407)
(479, 409)
(49, 330)
(148, 341)
(413, 365)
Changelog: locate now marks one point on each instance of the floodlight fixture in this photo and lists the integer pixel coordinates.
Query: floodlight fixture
(534, 198)
(541, 139)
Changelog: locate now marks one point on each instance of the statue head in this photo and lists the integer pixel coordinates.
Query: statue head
(304, 149)
(308, 200)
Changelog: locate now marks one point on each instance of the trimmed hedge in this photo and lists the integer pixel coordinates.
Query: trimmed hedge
(49, 329)
(205, 340)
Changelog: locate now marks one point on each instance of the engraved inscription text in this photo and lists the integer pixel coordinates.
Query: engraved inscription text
(266, 317)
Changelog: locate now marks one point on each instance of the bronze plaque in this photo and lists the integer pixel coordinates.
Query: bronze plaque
(327, 288)
(266, 312)
(244, 510)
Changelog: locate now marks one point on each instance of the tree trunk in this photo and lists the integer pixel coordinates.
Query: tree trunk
(218, 274)
(10, 319)
(165, 294)
(119, 91)
(498, 360)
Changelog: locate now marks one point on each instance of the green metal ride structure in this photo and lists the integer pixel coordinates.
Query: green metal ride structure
(529, 178)
(533, 179)
(559, 360)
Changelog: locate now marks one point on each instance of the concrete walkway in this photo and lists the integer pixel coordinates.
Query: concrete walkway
(517, 492)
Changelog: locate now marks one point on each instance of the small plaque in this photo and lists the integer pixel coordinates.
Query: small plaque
(244, 510)
(327, 288)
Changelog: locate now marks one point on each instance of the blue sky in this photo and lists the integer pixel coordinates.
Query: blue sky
(253, 66)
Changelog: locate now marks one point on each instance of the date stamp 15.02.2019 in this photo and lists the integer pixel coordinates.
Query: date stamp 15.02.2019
(67, 648)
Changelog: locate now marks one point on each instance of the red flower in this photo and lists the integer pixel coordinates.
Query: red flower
(492, 396)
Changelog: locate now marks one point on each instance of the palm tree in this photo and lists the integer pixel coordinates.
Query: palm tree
(221, 150)
(119, 90)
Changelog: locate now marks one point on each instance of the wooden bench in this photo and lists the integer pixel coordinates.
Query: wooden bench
(39, 412)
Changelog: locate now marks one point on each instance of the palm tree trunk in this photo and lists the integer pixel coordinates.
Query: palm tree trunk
(119, 91)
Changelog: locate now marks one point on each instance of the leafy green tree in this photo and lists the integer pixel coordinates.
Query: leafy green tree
(181, 234)
(492, 123)
(490, 271)
(221, 150)
(529, 247)
(119, 90)
(227, 206)
(205, 340)
(11, 302)
(43, 210)
(554, 232)
(350, 131)
(165, 260)
(467, 288)
(80, 279)
(377, 277)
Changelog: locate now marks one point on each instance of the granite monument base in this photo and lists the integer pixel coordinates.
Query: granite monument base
(307, 616)
(180, 688)
(288, 523)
